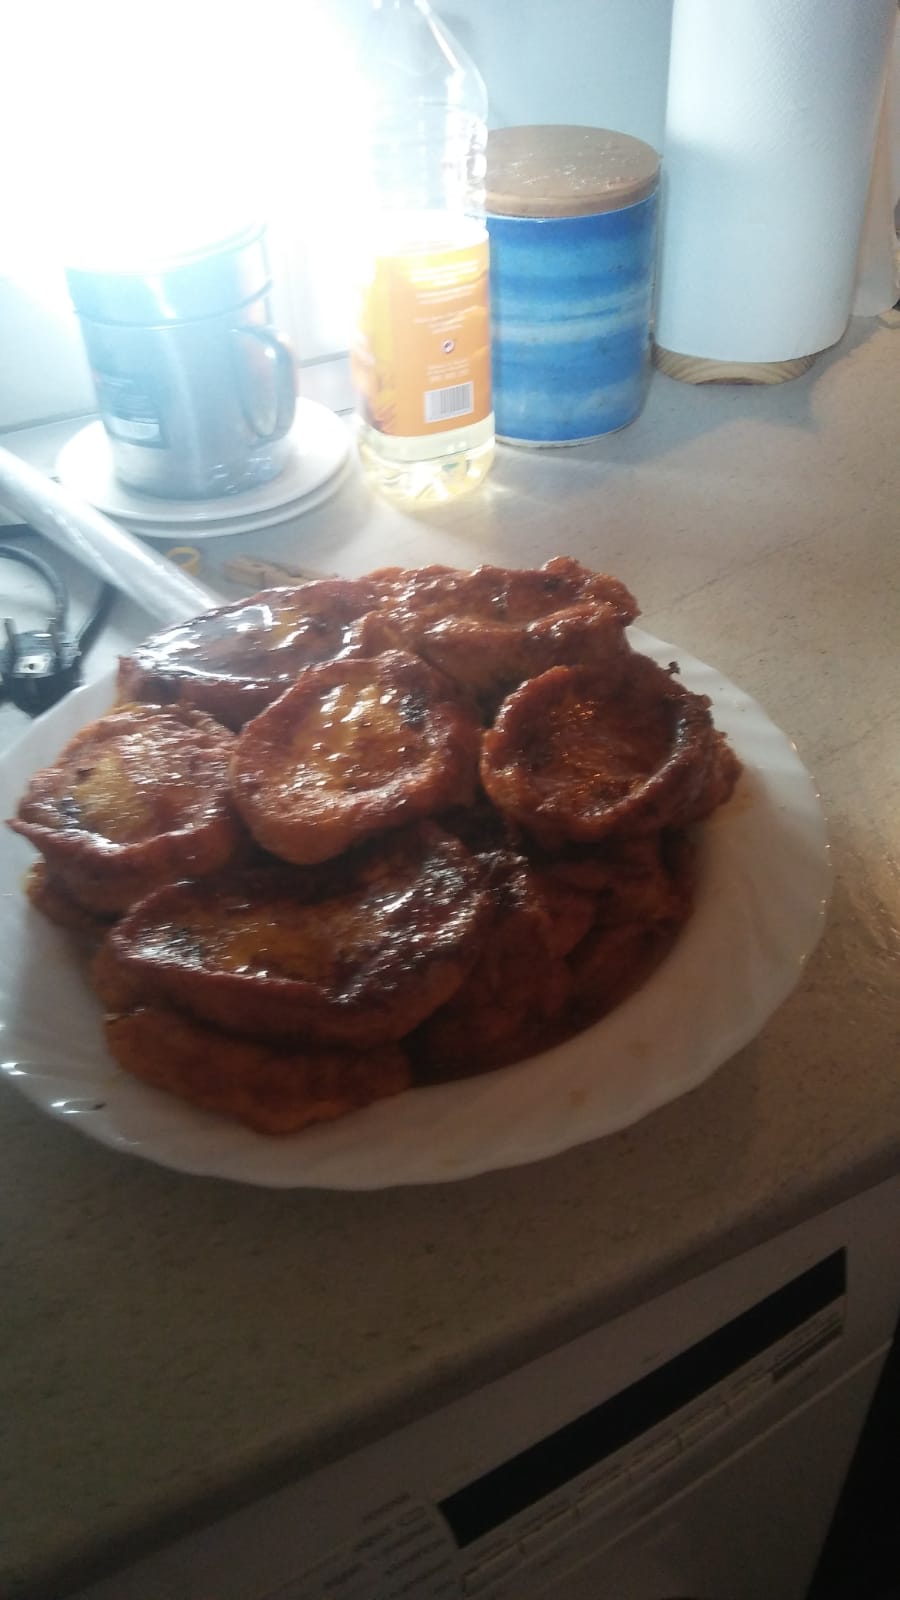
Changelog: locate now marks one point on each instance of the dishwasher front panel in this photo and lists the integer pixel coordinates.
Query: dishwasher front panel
(749, 1528)
(694, 1447)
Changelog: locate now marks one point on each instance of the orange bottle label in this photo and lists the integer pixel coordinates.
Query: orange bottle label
(421, 360)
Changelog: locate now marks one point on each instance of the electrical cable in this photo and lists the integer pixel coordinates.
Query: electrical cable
(95, 619)
(27, 558)
(39, 666)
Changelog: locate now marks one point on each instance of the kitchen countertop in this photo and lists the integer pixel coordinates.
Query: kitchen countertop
(173, 1345)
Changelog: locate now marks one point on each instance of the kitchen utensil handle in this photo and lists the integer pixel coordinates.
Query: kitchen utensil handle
(167, 593)
(285, 383)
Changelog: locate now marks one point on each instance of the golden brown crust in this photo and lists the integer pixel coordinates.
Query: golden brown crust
(557, 959)
(500, 594)
(50, 898)
(646, 878)
(356, 953)
(491, 628)
(639, 915)
(722, 773)
(612, 962)
(274, 988)
(488, 659)
(572, 756)
(273, 1089)
(519, 987)
(238, 658)
(487, 629)
(137, 798)
(354, 748)
(568, 912)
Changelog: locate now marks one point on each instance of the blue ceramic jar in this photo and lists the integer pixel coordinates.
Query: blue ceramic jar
(572, 224)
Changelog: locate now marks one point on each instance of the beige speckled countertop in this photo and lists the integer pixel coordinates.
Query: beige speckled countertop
(173, 1344)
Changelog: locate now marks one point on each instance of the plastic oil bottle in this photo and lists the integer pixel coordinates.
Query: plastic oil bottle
(421, 350)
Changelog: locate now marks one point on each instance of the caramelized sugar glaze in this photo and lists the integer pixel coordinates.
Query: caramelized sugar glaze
(382, 831)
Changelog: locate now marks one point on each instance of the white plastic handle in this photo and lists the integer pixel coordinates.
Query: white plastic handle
(167, 593)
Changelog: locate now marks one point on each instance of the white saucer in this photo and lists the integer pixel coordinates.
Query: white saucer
(320, 444)
(197, 534)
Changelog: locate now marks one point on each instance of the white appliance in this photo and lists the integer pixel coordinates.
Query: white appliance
(693, 1448)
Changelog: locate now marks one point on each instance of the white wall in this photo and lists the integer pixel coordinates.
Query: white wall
(601, 62)
(43, 368)
(593, 61)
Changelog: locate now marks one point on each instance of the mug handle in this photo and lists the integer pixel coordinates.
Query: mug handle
(285, 388)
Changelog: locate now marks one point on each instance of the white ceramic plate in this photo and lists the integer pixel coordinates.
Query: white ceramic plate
(236, 525)
(320, 442)
(763, 888)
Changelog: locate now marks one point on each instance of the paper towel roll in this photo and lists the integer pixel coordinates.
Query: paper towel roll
(770, 129)
(878, 268)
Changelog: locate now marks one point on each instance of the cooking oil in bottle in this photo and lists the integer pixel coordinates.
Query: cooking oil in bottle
(421, 352)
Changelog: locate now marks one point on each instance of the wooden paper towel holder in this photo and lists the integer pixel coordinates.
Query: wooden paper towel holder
(703, 369)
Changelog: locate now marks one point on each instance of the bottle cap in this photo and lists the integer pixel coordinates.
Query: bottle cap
(561, 170)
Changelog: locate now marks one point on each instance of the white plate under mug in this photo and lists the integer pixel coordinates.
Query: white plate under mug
(230, 528)
(320, 444)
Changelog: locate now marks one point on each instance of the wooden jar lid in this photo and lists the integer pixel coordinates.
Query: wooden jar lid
(561, 170)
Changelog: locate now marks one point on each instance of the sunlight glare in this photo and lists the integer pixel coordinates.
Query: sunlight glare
(146, 131)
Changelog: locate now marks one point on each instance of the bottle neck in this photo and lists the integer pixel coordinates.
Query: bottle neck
(422, 232)
(432, 159)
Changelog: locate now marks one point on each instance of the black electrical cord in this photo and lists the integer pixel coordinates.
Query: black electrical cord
(95, 618)
(13, 552)
(38, 667)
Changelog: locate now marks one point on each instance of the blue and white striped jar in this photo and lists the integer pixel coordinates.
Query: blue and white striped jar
(572, 224)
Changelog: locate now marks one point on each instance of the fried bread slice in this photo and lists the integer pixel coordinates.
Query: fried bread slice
(521, 985)
(614, 961)
(238, 658)
(499, 594)
(641, 878)
(273, 1088)
(137, 798)
(488, 629)
(354, 748)
(355, 953)
(573, 756)
(491, 628)
(48, 897)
